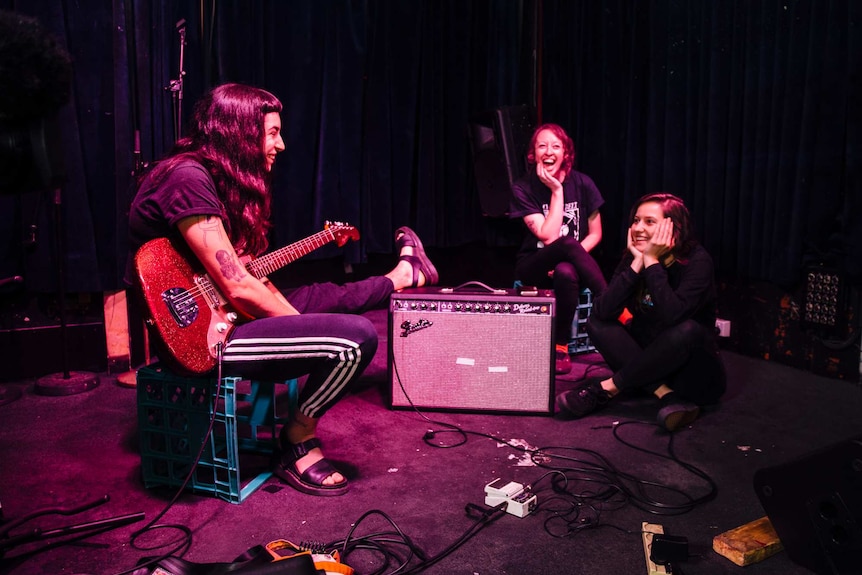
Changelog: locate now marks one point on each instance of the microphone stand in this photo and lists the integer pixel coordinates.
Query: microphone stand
(68, 382)
(176, 86)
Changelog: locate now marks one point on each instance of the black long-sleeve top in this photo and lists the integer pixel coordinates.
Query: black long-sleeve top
(659, 296)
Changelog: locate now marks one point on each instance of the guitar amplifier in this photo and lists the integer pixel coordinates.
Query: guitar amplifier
(457, 350)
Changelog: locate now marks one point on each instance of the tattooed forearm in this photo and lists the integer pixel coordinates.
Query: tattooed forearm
(208, 226)
(230, 267)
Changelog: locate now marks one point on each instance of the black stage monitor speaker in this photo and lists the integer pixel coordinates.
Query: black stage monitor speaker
(457, 350)
(815, 506)
(499, 140)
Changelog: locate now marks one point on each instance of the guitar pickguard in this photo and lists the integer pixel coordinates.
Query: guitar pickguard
(183, 308)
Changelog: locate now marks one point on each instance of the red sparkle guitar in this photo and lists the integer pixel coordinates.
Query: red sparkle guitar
(184, 307)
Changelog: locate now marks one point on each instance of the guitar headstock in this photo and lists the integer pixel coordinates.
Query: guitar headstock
(342, 232)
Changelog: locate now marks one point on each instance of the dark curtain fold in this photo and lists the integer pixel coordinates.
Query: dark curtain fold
(431, 66)
(745, 109)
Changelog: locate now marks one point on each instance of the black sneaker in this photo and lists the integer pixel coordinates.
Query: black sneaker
(676, 412)
(586, 398)
(562, 361)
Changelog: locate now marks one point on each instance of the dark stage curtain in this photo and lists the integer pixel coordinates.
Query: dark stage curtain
(377, 99)
(85, 127)
(119, 114)
(748, 110)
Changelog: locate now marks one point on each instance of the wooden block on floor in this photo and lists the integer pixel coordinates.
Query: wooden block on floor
(749, 543)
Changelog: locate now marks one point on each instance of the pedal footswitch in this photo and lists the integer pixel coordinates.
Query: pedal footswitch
(520, 501)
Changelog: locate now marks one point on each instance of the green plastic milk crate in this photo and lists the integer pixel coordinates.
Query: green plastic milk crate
(580, 342)
(174, 414)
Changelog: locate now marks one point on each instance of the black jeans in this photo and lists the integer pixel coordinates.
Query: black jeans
(685, 357)
(574, 268)
(329, 341)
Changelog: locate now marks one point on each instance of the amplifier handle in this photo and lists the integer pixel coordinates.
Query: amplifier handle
(480, 284)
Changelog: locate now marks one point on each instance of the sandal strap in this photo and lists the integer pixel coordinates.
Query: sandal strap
(318, 472)
(296, 451)
(416, 264)
(404, 238)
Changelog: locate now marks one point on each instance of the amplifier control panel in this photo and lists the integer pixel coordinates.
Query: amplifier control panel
(518, 305)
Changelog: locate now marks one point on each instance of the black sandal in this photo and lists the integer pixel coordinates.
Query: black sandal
(311, 480)
(404, 236)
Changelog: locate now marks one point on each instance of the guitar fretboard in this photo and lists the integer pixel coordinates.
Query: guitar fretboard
(268, 263)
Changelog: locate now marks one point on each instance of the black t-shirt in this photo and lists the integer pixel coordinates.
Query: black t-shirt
(186, 190)
(581, 198)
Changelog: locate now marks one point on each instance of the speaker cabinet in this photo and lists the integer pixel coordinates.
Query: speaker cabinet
(499, 140)
(472, 351)
(815, 506)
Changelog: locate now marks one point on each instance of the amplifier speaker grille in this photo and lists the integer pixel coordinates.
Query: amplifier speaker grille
(442, 359)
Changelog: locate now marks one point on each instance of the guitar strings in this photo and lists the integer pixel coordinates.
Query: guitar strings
(258, 265)
(279, 258)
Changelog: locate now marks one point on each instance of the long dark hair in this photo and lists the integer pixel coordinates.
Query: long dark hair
(226, 134)
(568, 146)
(674, 208)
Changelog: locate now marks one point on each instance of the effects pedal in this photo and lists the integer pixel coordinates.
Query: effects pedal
(520, 501)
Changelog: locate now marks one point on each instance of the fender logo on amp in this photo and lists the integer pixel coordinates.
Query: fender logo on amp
(408, 327)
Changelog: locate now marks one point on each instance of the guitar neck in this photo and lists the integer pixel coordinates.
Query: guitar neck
(268, 263)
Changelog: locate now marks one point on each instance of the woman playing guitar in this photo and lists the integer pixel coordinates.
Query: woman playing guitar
(210, 197)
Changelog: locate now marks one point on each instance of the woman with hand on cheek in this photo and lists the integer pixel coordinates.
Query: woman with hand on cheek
(668, 348)
(560, 210)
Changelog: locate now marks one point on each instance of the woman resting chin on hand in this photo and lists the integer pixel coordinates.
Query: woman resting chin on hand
(668, 348)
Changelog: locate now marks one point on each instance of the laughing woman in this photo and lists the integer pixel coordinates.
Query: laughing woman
(560, 210)
(666, 281)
